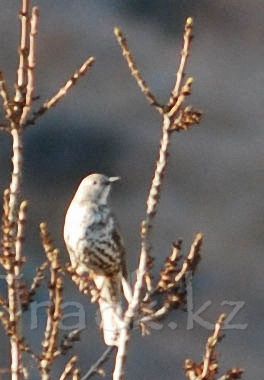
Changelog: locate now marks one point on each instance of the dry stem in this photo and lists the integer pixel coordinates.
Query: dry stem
(135, 71)
(31, 64)
(69, 368)
(208, 369)
(23, 55)
(95, 368)
(54, 311)
(63, 91)
(210, 346)
(187, 37)
(5, 96)
(170, 112)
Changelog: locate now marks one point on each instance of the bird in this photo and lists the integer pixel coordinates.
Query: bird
(96, 248)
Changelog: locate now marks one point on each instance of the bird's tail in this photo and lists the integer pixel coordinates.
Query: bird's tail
(110, 306)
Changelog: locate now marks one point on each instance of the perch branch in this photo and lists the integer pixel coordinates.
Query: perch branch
(152, 203)
(170, 113)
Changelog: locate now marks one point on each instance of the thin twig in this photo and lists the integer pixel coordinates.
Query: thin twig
(193, 254)
(39, 276)
(31, 64)
(63, 91)
(135, 71)
(6, 98)
(234, 373)
(210, 346)
(158, 314)
(97, 365)
(23, 56)
(76, 374)
(69, 368)
(187, 37)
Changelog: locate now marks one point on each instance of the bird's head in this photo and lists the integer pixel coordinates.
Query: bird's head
(95, 188)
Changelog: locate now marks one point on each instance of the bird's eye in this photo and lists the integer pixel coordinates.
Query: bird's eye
(94, 182)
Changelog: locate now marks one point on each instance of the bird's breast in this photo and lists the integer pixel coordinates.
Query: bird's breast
(78, 220)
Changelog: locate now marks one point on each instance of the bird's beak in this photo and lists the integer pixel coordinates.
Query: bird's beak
(114, 179)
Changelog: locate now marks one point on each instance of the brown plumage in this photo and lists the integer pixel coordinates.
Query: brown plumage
(96, 247)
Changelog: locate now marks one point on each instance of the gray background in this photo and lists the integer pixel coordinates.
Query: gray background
(214, 183)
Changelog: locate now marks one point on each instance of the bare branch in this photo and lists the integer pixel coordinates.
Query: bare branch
(38, 277)
(98, 364)
(187, 38)
(209, 367)
(23, 55)
(13, 280)
(76, 374)
(232, 374)
(127, 54)
(191, 258)
(63, 91)
(210, 346)
(5, 96)
(20, 237)
(15, 185)
(69, 368)
(50, 342)
(31, 64)
(184, 92)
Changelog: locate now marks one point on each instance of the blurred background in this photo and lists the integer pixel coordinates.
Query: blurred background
(215, 179)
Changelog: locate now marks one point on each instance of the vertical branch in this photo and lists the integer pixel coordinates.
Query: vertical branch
(211, 345)
(187, 38)
(13, 319)
(15, 260)
(5, 96)
(209, 367)
(170, 112)
(54, 311)
(13, 280)
(23, 55)
(31, 64)
(20, 237)
(6, 240)
(15, 185)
